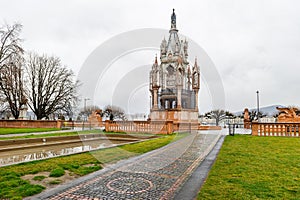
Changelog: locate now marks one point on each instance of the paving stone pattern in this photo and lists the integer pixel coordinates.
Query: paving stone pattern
(156, 175)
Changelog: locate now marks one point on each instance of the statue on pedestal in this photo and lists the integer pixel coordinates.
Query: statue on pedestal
(23, 109)
(247, 120)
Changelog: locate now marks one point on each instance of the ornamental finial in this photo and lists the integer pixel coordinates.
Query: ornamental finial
(173, 19)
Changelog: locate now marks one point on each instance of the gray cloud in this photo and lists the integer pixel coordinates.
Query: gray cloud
(255, 44)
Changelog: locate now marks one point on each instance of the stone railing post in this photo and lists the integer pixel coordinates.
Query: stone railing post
(254, 128)
(58, 124)
(107, 128)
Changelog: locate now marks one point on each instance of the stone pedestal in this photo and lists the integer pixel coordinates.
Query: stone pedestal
(95, 119)
(176, 115)
(247, 124)
(23, 112)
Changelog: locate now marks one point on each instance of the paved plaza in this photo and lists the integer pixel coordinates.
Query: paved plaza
(159, 174)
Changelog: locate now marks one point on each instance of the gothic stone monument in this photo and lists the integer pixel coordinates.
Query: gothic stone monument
(174, 84)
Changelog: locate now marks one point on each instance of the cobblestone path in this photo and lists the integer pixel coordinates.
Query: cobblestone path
(155, 175)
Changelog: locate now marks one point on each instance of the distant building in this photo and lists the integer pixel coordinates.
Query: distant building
(174, 84)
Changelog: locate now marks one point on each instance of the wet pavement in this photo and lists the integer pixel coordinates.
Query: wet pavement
(192, 186)
(159, 174)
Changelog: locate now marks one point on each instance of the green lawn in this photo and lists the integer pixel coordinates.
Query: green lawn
(53, 134)
(13, 186)
(251, 167)
(4, 131)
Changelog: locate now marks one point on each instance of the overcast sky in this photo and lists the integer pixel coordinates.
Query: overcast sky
(254, 44)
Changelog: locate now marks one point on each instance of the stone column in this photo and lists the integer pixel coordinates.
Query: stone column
(155, 97)
(179, 97)
(196, 100)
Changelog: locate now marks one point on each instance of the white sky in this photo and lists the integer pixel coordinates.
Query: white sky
(254, 44)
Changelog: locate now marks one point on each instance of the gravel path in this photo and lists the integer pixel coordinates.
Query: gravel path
(159, 174)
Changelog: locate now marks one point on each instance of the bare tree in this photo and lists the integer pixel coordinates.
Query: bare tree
(114, 112)
(11, 60)
(85, 112)
(70, 107)
(50, 86)
(11, 84)
(253, 115)
(4, 108)
(10, 43)
(68, 111)
(218, 115)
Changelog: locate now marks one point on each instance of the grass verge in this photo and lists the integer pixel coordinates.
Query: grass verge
(250, 167)
(58, 172)
(13, 186)
(52, 134)
(5, 131)
(39, 178)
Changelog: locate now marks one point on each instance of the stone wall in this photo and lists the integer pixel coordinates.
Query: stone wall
(206, 128)
(31, 123)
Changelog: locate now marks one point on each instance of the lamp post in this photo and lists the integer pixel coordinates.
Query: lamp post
(85, 99)
(257, 98)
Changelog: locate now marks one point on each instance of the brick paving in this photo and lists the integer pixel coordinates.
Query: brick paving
(155, 175)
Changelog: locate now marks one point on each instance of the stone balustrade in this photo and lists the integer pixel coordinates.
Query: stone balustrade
(156, 127)
(275, 129)
(161, 127)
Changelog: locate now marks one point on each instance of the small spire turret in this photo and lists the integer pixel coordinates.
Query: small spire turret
(195, 68)
(185, 48)
(196, 76)
(163, 47)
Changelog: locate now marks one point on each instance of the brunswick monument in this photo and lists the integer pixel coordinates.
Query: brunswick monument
(174, 83)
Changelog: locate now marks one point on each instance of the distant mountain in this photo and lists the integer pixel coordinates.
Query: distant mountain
(268, 110)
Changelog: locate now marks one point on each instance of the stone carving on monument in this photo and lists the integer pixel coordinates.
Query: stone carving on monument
(247, 121)
(174, 86)
(288, 115)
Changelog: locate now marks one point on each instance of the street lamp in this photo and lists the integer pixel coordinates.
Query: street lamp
(85, 99)
(257, 98)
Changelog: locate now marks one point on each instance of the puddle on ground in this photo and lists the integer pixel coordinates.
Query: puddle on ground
(43, 152)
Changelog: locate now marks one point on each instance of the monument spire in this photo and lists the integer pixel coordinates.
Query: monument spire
(173, 20)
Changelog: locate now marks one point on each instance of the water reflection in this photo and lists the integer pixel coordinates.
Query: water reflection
(43, 152)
